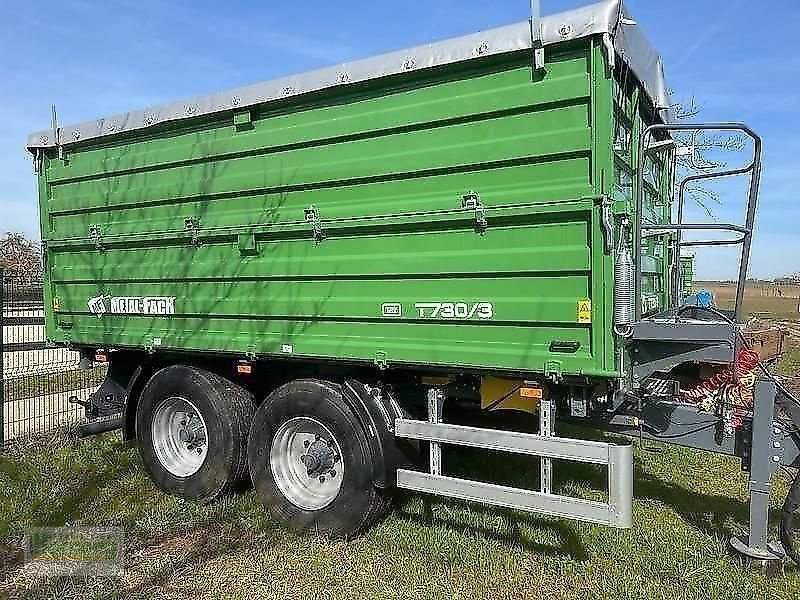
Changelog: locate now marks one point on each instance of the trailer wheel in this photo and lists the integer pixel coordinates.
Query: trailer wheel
(790, 535)
(310, 461)
(192, 429)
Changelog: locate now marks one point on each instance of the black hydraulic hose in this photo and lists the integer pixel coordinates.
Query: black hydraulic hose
(787, 527)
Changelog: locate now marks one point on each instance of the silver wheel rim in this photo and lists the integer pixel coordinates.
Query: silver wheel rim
(180, 437)
(306, 462)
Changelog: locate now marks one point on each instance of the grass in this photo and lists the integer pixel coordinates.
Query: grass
(790, 363)
(687, 505)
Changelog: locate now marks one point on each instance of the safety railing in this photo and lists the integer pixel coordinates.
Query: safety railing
(745, 232)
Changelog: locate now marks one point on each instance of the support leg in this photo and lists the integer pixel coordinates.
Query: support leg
(765, 459)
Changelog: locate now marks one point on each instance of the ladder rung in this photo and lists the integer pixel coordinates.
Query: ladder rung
(506, 441)
(515, 498)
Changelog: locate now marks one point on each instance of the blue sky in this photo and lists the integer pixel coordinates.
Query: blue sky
(739, 59)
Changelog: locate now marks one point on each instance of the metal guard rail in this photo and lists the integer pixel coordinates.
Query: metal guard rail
(746, 231)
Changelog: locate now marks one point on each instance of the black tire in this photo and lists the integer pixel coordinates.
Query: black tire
(358, 504)
(227, 410)
(788, 528)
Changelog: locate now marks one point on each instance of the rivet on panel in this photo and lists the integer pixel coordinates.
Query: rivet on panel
(409, 63)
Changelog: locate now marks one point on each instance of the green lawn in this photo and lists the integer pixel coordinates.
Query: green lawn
(687, 504)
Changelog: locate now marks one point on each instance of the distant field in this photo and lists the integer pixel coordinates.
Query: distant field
(778, 302)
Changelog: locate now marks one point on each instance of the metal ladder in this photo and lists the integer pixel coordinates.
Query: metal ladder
(617, 512)
(745, 232)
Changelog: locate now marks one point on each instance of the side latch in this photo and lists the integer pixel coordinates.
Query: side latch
(606, 223)
(192, 225)
(472, 201)
(96, 235)
(311, 215)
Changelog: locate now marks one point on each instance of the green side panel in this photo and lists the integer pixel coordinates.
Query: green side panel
(332, 226)
(687, 274)
(632, 115)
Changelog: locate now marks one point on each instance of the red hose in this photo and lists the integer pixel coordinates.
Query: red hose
(745, 363)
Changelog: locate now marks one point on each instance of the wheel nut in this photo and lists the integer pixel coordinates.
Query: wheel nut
(322, 480)
(303, 459)
(306, 443)
(333, 473)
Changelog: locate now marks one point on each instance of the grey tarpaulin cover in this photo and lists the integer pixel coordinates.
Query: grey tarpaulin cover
(608, 18)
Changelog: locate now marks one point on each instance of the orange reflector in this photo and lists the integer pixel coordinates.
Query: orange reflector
(531, 392)
(244, 368)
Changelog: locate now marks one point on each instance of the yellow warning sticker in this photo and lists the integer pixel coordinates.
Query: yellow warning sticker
(584, 311)
(56, 304)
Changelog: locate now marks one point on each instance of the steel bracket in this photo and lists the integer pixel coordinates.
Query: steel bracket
(536, 35)
(192, 225)
(311, 215)
(472, 201)
(552, 369)
(96, 235)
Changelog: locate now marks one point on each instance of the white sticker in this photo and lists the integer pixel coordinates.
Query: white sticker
(156, 341)
(287, 348)
(392, 309)
(132, 305)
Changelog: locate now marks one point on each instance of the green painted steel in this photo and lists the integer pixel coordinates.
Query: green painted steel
(331, 226)
(687, 274)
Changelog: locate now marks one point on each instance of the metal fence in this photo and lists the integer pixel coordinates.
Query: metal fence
(36, 380)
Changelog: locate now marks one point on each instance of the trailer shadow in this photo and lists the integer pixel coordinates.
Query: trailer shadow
(518, 529)
(713, 514)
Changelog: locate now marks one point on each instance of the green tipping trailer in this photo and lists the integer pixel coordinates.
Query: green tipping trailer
(487, 219)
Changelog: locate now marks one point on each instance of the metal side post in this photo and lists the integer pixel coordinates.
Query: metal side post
(546, 430)
(536, 36)
(2, 366)
(436, 396)
(764, 462)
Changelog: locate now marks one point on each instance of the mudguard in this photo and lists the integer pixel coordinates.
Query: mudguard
(377, 410)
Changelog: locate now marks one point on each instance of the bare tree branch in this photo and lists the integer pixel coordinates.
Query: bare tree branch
(20, 256)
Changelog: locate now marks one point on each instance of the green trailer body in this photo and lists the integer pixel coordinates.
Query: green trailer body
(456, 216)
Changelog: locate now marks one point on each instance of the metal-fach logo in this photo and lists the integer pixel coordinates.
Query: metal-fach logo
(132, 305)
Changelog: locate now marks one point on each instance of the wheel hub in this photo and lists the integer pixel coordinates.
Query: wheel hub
(192, 432)
(180, 437)
(306, 463)
(319, 458)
